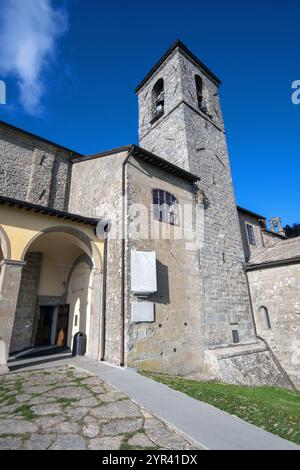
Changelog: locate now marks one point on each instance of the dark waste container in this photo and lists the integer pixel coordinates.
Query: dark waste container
(79, 344)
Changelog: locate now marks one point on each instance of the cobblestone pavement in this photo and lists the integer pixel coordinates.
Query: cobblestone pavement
(67, 408)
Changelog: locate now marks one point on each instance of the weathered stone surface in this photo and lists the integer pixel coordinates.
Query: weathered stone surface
(70, 392)
(119, 409)
(105, 443)
(90, 402)
(50, 379)
(15, 426)
(29, 164)
(47, 409)
(79, 373)
(111, 396)
(70, 442)
(121, 426)
(25, 310)
(74, 427)
(277, 289)
(90, 430)
(22, 398)
(65, 427)
(36, 389)
(92, 420)
(39, 442)
(94, 381)
(8, 443)
(156, 430)
(146, 413)
(48, 421)
(77, 413)
(41, 400)
(163, 436)
(10, 408)
(97, 389)
(141, 440)
(174, 442)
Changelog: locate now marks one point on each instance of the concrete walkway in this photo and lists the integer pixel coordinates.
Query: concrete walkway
(208, 426)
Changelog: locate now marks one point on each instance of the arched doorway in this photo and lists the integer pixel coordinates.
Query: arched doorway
(56, 293)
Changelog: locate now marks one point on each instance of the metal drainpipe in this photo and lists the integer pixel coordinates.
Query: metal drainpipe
(123, 245)
(103, 313)
(276, 360)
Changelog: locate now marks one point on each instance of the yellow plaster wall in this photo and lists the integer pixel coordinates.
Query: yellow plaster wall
(22, 226)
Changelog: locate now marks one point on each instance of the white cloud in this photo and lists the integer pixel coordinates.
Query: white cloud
(29, 30)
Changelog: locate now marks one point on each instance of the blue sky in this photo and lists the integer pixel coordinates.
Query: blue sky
(74, 81)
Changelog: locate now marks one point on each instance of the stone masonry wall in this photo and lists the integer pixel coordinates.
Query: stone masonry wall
(174, 342)
(22, 336)
(250, 249)
(189, 137)
(96, 190)
(33, 170)
(278, 289)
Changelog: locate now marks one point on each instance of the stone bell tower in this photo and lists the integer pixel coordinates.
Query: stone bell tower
(181, 121)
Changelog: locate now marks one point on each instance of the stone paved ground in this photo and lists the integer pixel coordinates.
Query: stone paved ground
(67, 408)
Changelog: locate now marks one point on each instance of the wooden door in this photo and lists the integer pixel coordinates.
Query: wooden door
(43, 335)
(63, 321)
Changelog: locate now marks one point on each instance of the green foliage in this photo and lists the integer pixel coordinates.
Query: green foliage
(292, 231)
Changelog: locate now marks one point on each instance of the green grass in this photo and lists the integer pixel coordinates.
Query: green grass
(26, 412)
(275, 409)
(65, 401)
(19, 385)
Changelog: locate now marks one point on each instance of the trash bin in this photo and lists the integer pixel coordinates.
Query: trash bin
(79, 344)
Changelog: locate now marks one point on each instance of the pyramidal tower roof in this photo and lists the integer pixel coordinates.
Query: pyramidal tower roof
(183, 49)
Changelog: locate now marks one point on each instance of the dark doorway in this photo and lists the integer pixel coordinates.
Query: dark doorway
(63, 322)
(43, 335)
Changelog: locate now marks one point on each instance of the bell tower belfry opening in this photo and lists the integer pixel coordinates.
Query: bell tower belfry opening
(189, 132)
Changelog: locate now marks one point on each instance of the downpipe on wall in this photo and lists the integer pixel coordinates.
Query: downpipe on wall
(102, 230)
(123, 250)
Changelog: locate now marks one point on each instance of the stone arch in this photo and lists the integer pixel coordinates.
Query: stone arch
(87, 244)
(5, 244)
(50, 281)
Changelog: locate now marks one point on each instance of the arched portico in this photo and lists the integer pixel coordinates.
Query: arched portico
(51, 279)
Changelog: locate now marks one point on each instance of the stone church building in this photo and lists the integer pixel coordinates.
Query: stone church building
(144, 249)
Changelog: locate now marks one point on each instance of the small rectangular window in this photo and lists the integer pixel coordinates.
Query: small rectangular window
(250, 233)
(235, 336)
